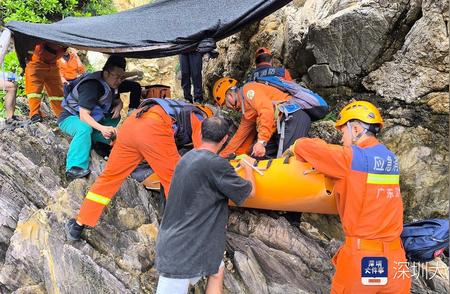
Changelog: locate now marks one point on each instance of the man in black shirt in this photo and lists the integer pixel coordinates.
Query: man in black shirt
(191, 239)
(91, 111)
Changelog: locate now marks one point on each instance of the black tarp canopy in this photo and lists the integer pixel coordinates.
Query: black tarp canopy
(163, 28)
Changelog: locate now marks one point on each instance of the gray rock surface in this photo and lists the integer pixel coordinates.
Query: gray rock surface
(421, 65)
(36, 202)
(265, 254)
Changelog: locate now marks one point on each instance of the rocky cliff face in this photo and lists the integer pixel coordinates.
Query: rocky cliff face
(265, 254)
(394, 53)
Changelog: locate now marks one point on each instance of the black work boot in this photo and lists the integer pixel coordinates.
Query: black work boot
(36, 118)
(73, 230)
(76, 172)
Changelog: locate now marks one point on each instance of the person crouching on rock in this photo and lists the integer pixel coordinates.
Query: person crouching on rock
(91, 112)
(258, 126)
(196, 213)
(368, 201)
(154, 132)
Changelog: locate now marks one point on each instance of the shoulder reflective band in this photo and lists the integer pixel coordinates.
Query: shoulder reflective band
(98, 198)
(383, 179)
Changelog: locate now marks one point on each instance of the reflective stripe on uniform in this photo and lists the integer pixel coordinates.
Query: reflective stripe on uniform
(34, 95)
(98, 198)
(55, 98)
(383, 179)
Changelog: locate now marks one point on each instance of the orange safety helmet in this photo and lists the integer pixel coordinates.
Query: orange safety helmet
(360, 110)
(262, 50)
(205, 108)
(220, 88)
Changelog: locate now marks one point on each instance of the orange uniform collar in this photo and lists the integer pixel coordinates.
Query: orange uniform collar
(263, 64)
(368, 142)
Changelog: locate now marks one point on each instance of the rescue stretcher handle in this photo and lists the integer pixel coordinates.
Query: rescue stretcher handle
(249, 164)
(288, 154)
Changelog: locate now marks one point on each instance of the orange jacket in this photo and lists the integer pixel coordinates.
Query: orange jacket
(71, 68)
(367, 185)
(258, 113)
(160, 114)
(47, 52)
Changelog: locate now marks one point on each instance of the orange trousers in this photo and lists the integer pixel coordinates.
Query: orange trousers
(245, 147)
(150, 137)
(40, 75)
(347, 278)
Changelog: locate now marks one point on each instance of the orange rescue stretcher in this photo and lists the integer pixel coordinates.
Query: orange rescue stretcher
(283, 184)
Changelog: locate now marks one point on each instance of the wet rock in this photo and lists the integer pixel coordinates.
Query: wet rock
(36, 289)
(421, 65)
(326, 131)
(438, 102)
(431, 277)
(423, 168)
(271, 256)
(265, 254)
(321, 226)
(35, 205)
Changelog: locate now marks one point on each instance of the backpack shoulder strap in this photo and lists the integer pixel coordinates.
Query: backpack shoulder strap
(145, 105)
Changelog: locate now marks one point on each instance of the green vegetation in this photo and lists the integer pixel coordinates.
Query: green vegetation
(89, 68)
(47, 11)
(332, 115)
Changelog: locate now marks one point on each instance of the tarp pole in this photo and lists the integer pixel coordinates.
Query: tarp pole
(5, 38)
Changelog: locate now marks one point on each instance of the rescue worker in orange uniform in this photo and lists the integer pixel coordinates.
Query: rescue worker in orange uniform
(258, 103)
(265, 68)
(154, 132)
(368, 200)
(42, 71)
(70, 65)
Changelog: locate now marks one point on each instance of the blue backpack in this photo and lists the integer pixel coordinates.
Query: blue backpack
(425, 240)
(312, 103)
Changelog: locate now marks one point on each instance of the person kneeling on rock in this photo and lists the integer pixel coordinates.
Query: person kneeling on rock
(196, 213)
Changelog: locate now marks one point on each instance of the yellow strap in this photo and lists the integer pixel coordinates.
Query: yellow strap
(55, 98)
(383, 179)
(34, 95)
(98, 198)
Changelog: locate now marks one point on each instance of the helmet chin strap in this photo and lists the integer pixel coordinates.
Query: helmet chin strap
(357, 137)
(240, 92)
